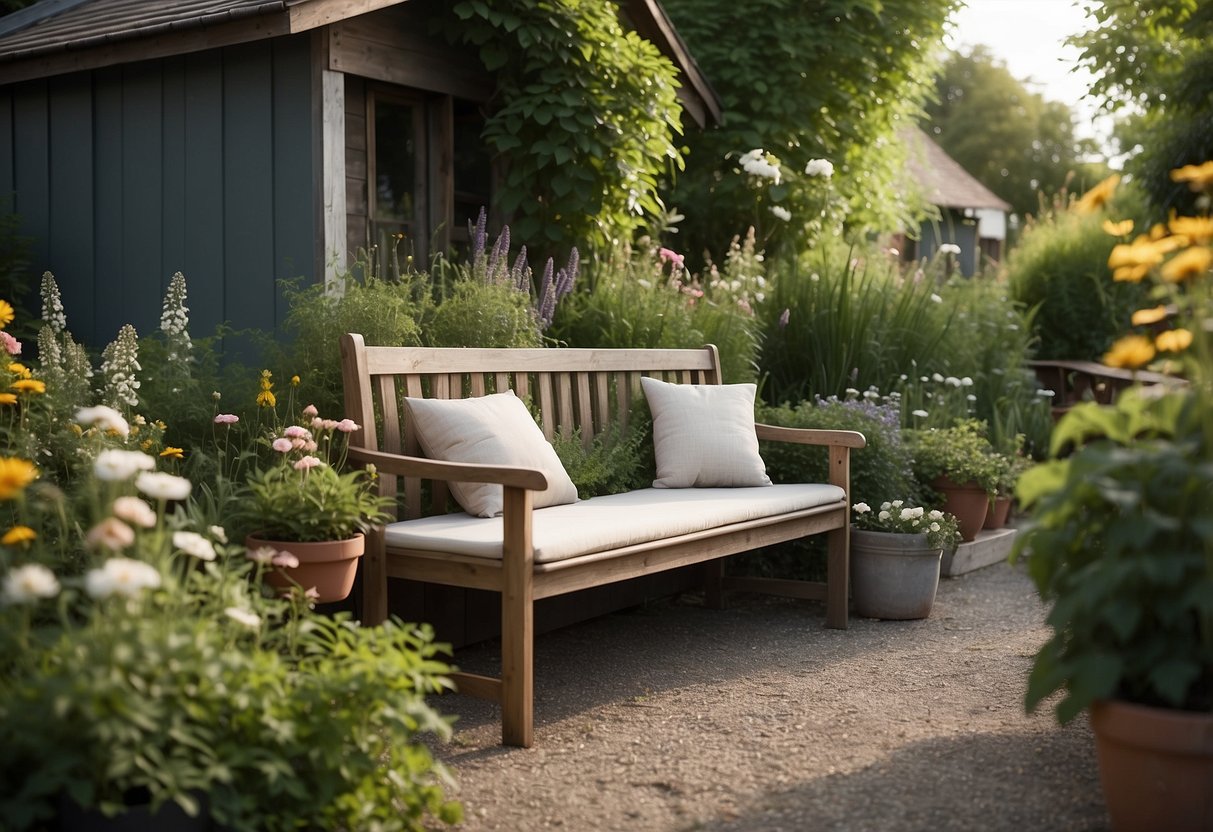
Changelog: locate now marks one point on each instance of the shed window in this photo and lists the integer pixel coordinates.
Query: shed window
(398, 169)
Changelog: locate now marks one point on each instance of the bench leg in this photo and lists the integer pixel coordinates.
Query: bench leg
(838, 577)
(517, 623)
(713, 584)
(374, 579)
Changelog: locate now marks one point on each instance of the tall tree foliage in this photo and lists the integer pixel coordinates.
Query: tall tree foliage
(1153, 64)
(1011, 139)
(803, 79)
(584, 120)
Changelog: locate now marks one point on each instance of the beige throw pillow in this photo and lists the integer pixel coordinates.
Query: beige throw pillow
(703, 435)
(489, 430)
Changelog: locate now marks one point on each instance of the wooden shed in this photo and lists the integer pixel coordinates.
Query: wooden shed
(243, 141)
(971, 216)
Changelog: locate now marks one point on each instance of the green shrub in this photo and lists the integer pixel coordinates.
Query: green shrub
(1059, 268)
(617, 461)
(962, 453)
(642, 297)
(479, 314)
(840, 320)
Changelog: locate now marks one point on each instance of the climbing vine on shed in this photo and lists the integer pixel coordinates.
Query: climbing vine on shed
(584, 120)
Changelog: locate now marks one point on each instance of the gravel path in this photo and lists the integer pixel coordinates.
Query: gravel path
(673, 717)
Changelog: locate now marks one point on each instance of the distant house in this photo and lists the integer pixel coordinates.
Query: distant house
(971, 215)
(243, 141)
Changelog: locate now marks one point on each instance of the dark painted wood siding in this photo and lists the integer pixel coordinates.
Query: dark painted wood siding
(201, 163)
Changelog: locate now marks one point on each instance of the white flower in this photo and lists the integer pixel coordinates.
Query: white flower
(111, 533)
(134, 511)
(644, 284)
(884, 515)
(28, 583)
(261, 555)
(106, 418)
(935, 514)
(934, 527)
(121, 576)
(921, 414)
(861, 508)
(897, 503)
(755, 163)
(885, 506)
(242, 616)
(966, 382)
(1048, 394)
(971, 397)
(952, 381)
(194, 544)
(936, 298)
(219, 533)
(819, 167)
(949, 248)
(161, 486)
(114, 464)
(781, 213)
(285, 559)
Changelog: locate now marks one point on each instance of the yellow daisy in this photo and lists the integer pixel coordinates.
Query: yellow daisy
(172, 453)
(1095, 198)
(1118, 229)
(19, 370)
(1145, 317)
(6, 314)
(1189, 263)
(1197, 176)
(17, 535)
(8, 398)
(1196, 229)
(15, 474)
(29, 385)
(1130, 352)
(1173, 340)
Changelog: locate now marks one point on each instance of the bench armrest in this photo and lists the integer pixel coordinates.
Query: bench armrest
(416, 466)
(808, 436)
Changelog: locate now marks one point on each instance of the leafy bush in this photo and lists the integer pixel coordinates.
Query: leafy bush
(643, 297)
(880, 472)
(840, 320)
(961, 453)
(617, 461)
(1059, 269)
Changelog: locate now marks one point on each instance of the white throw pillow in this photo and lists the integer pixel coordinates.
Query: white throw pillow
(489, 430)
(703, 435)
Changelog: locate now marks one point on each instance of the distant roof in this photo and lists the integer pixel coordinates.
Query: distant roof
(80, 34)
(945, 183)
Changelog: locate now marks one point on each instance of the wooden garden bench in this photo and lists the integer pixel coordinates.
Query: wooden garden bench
(584, 390)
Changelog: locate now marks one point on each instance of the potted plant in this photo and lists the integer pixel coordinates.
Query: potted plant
(960, 464)
(308, 517)
(1120, 544)
(895, 557)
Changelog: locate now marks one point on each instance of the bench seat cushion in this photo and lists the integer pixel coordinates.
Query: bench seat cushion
(611, 522)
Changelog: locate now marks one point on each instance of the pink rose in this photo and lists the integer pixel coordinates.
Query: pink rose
(11, 344)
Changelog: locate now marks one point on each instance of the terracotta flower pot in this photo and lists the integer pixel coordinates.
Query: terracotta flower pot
(997, 513)
(328, 565)
(1155, 765)
(893, 576)
(967, 501)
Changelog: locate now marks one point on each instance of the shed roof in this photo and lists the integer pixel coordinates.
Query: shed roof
(945, 183)
(56, 36)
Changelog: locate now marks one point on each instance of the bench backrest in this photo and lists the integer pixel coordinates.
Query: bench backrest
(572, 390)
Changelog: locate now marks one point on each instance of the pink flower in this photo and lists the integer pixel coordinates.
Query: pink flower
(111, 533)
(261, 555)
(328, 424)
(306, 463)
(310, 411)
(671, 256)
(296, 432)
(286, 560)
(282, 445)
(226, 419)
(310, 446)
(784, 317)
(317, 423)
(297, 443)
(312, 594)
(348, 426)
(11, 344)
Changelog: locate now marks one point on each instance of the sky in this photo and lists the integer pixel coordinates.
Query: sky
(1029, 36)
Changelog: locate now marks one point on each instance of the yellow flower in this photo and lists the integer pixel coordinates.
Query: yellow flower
(1130, 352)
(1093, 199)
(266, 399)
(1145, 317)
(294, 381)
(8, 398)
(146, 444)
(19, 370)
(1118, 229)
(1189, 263)
(160, 425)
(172, 453)
(1132, 261)
(1196, 229)
(6, 314)
(18, 534)
(1197, 176)
(15, 474)
(29, 385)
(1173, 340)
